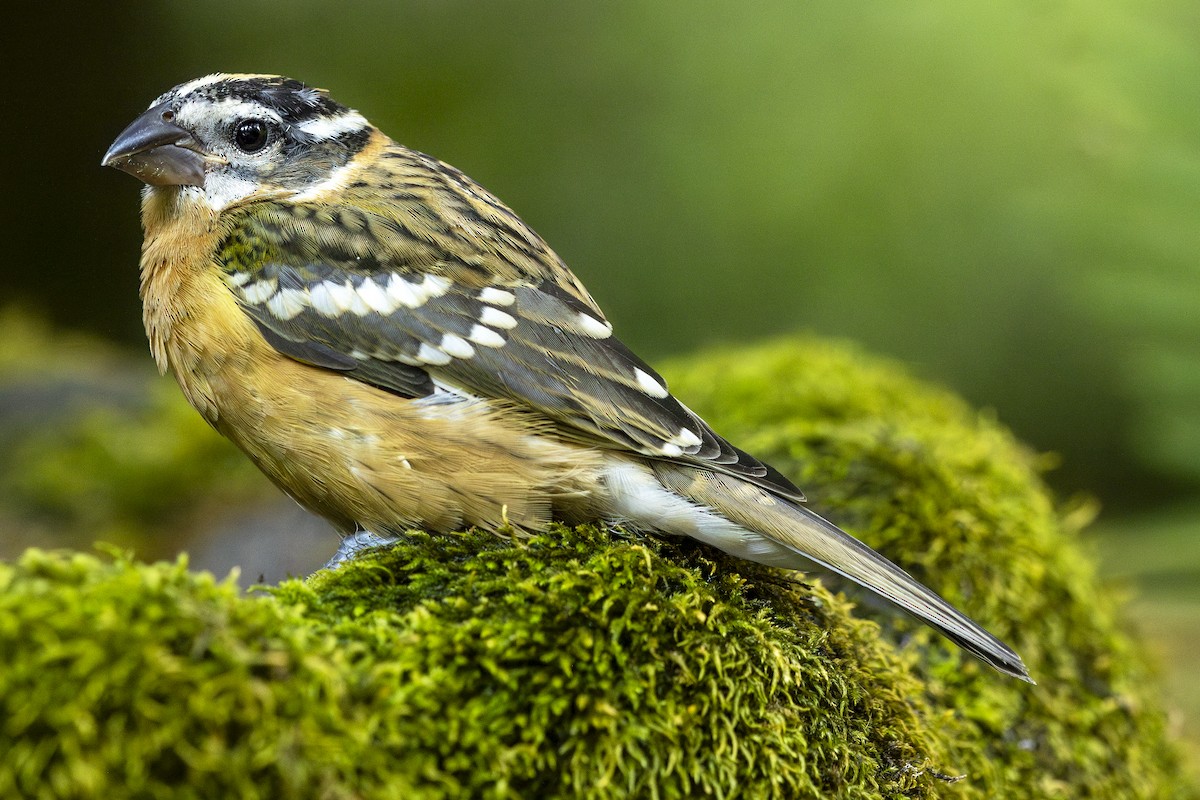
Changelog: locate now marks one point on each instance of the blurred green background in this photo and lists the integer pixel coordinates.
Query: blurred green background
(1006, 197)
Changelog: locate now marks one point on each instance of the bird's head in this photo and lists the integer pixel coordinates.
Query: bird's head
(231, 138)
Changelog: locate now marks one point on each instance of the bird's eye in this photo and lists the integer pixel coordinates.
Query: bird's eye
(251, 135)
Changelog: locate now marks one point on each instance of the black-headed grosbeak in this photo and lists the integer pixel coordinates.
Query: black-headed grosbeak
(395, 348)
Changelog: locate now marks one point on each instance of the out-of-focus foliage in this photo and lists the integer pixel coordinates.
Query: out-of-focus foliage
(92, 447)
(583, 663)
(1156, 558)
(1003, 194)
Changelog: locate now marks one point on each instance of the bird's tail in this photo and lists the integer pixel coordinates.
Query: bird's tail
(811, 537)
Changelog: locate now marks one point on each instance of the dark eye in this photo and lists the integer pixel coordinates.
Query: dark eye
(251, 135)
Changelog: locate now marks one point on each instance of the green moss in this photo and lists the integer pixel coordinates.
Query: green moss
(585, 662)
(572, 664)
(949, 494)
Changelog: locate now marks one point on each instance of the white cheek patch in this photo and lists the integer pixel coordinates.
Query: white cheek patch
(222, 189)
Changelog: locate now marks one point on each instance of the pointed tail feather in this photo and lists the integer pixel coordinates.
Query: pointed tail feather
(818, 540)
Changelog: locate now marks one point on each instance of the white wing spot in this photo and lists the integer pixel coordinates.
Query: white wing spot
(594, 327)
(495, 318)
(648, 384)
(322, 300)
(435, 286)
(345, 299)
(431, 355)
(402, 292)
(415, 295)
(420, 293)
(686, 438)
(260, 291)
(287, 303)
(457, 346)
(671, 450)
(237, 278)
(497, 297)
(376, 297)
(486, 337)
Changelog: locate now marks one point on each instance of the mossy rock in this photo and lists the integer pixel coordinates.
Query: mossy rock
(594, 663)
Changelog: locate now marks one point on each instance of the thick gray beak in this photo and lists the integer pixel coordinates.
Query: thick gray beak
(156, 150)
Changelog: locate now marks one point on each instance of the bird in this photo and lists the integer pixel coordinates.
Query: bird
(396, 349)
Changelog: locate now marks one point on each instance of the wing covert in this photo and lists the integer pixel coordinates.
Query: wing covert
(408, 327)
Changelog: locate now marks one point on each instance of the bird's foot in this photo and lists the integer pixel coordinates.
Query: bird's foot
(355, 543)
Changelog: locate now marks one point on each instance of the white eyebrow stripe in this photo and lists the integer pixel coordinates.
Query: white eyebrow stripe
(322, 128)
(193, 85)
(231, 107)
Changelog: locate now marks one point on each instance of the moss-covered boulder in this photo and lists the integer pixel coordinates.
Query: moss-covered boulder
(594, 663)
